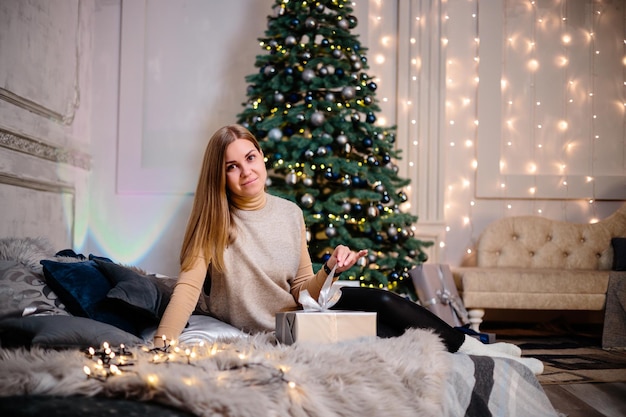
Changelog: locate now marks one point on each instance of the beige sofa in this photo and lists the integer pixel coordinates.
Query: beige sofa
(533, 263)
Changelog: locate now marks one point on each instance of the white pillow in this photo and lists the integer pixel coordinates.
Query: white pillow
(202, 328)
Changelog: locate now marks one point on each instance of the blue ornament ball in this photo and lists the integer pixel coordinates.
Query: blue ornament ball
(370, 118)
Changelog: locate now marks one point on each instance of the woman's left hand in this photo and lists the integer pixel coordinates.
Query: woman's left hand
(344, 258)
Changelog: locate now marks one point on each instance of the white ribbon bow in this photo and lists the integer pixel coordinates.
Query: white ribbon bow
(329, 295)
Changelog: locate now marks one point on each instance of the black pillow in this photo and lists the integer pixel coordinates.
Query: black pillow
(146, 294)
(61, 332)
(83, 289)
(619, 253)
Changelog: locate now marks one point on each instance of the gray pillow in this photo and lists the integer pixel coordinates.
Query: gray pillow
(143, 293)
(24, 292)
(61, 332)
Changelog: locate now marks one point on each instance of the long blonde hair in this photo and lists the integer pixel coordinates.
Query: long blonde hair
(210, 228)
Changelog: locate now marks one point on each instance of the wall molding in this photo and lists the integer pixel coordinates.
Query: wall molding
(38, 185)
(38, 149)
(33, 107)
(57, 101)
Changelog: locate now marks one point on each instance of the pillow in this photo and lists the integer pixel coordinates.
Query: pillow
(24, 292)
(61, 332)
(201, 328)
(83, 289)
(146, 294)
(208, 329)
(619, 253)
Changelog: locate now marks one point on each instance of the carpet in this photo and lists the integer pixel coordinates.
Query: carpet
(574, 359)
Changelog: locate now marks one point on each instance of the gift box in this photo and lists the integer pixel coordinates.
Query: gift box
(324, 326)
(437, 292)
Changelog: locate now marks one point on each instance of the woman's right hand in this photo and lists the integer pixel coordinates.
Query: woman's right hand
(344, 258)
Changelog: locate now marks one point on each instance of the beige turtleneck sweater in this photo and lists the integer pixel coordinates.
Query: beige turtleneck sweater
(266, 268)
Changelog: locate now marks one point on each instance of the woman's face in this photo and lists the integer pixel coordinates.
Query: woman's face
(245, 169)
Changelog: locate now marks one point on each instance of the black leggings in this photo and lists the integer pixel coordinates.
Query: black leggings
(395, 314)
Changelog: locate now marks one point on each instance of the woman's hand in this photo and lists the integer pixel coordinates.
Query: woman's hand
(344, 258)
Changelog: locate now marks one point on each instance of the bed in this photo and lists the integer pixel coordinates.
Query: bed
(75, 339)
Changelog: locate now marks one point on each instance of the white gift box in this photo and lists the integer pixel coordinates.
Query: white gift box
(324, 326)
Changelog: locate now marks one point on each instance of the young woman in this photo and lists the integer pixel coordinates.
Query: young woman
(245, 256)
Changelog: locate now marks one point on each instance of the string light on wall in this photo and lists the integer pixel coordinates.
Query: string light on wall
(558, 141)
(461, 117)
(552, 58)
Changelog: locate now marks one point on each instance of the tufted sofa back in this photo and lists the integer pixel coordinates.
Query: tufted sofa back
(537, 242)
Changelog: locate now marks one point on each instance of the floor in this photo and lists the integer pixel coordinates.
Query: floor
(575, 400)
(589, 400)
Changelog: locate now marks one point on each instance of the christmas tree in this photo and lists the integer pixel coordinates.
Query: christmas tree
(313, 108)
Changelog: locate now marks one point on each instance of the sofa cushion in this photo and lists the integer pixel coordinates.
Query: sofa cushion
(536, 242)
(527, 288)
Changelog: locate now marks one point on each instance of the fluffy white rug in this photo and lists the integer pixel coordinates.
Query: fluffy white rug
(28, 251)
(398, 377)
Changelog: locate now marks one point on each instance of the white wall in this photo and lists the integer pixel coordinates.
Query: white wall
(164, 78)
(45, 111)
(167, 75)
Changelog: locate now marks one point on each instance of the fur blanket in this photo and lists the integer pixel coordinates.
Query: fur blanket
(403, 376)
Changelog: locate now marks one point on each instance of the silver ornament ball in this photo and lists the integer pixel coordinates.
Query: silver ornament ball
(307, 200)
(318, 118)
(291, 178)
(308, 75)
(275, 134)
(348, 92)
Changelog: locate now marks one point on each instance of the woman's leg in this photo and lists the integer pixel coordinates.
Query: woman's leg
(395, 314)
